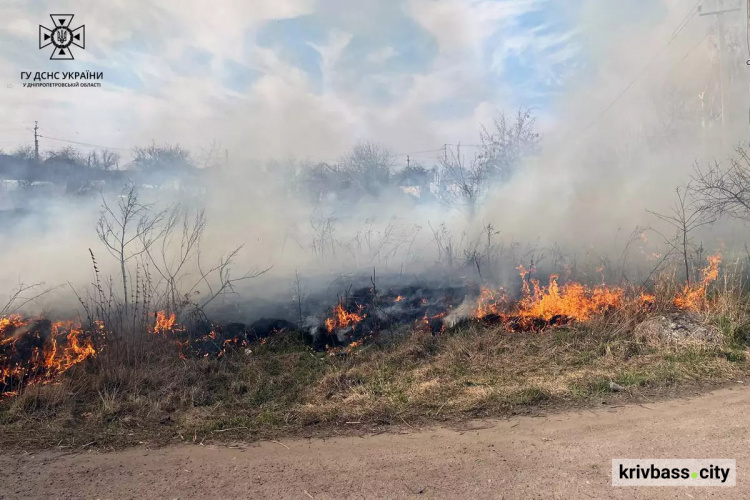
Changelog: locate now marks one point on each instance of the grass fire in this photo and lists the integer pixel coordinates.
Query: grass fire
(454, 210)
(38, 351)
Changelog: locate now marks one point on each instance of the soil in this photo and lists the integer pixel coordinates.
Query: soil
(564, 455)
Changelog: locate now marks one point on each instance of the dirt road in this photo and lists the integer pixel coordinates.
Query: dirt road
(560, 456)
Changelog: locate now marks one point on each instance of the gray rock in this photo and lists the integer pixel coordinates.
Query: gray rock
(615, 387)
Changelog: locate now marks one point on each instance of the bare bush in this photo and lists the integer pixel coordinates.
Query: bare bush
(160, 263)
(179, 236)
(324, 241)
(22, 295)
(381, 246)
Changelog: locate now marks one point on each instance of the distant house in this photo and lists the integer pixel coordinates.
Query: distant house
(14, 168)
(44, 188)
(9, 185)
(417, 181)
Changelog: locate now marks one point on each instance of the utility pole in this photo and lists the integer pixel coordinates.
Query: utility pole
(36, 142)
(719, 13)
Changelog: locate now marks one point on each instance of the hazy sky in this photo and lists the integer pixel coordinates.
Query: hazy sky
(312, 77)
(280, 77)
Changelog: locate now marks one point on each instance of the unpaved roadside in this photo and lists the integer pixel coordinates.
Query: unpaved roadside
(565, 455)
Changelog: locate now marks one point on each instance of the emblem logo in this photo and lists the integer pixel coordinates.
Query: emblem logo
(62, 37)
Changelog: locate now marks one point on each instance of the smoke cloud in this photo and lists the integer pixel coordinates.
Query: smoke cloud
(628, 99)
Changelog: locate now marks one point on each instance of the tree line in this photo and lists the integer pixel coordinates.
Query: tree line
(453, 178)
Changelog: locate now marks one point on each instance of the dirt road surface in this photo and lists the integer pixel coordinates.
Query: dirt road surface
(566, 455)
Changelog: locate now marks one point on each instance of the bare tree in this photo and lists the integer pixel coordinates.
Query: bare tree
(68, 154)
(725, 190)
(685, 217)
(507, 144)
(127, 231)
(462, 182)
(160, 158)
(502, 150)
(161, 266)
(24, 153)
(104, 160)
(369, 167)
(211, 156)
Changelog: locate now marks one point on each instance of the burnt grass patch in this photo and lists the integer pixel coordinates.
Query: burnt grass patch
(280, 386)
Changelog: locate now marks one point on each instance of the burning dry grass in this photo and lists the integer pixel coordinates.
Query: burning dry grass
(558, 345)
(39, 351)
(281, 386)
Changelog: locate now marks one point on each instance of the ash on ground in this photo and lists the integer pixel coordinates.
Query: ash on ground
(678, 327)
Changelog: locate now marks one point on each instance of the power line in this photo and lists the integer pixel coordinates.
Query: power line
(419, 152)
(680, 27)
(83, 143)
(684, 22)
(410, 153)
(687, 54)
(399, 155)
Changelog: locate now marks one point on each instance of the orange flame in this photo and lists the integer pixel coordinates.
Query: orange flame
(693, 297)
(489, 303)
(424, 323)
(572, 301)
(342, 318)
(353, 346)
(32, 353)
(164, 323)
(646, 298)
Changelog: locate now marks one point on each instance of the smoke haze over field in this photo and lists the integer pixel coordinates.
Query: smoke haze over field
(627, 98)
